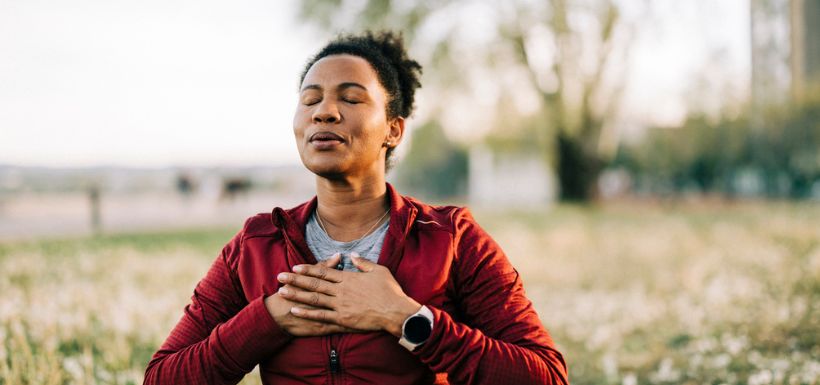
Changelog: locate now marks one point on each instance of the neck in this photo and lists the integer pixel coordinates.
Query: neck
(348, 208)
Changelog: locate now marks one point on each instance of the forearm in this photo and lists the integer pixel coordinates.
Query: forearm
(230, 351)
(468, 356)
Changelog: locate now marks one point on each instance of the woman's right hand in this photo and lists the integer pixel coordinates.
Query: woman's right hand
(279, 309)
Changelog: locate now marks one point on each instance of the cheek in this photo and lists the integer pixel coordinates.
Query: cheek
(299, 122)
(376, 128)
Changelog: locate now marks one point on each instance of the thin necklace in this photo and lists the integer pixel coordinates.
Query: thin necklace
(356, 242)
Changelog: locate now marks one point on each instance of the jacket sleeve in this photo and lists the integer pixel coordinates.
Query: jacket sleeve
(221, 336)
(503, 341)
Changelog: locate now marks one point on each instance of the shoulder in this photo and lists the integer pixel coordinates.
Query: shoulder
(270, 224)
(467, 234)
(260, 225)
(450, 218)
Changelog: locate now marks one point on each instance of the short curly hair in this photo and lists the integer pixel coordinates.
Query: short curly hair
(386, 53)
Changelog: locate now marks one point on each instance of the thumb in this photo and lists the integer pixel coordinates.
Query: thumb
(332, 261)
(362, 264)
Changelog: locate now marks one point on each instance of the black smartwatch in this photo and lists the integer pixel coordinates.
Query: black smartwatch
(417, 329)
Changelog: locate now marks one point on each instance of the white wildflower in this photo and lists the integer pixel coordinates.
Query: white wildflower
(610, 365)
(73, 367)
(630, 379)
(734, 344)
(721, 361)
(666, 372)
(762, 377)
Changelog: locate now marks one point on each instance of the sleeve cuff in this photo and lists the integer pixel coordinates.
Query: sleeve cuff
(448, 339)
(428, 346)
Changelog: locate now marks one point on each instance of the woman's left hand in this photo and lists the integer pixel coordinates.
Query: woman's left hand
(369, 300)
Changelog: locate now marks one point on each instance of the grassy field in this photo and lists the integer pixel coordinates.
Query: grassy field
(632, 293)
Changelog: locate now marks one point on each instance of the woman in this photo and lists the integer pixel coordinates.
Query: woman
(360, 284)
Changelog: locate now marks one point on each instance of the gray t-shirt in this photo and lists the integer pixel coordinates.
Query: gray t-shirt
(323, 246)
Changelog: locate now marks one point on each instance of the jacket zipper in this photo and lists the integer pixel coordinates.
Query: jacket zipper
(335, 365)
(334, 359)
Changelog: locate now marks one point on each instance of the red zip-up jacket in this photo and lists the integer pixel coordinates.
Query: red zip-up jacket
(485, 329)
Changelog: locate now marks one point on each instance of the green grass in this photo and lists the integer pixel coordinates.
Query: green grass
(632, 293)
(204, 241)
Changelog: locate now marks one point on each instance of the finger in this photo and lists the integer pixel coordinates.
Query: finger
(328, 328)
(306, 327)
(334, 328)
(311, 298)
(362, 264)
(290, 302)
(332, 261)
(306, 283)
(321, 315)
(319, 271)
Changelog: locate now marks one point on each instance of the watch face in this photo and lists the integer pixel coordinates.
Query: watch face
(417, 329)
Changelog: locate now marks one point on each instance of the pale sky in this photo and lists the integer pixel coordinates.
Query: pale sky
(700, 47)
(166, 82)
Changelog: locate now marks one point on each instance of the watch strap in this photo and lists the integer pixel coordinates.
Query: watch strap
(424, 312)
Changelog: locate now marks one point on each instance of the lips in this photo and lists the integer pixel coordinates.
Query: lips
(326, 141)
(325, 136)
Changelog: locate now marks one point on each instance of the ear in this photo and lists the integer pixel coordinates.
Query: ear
(396, 131)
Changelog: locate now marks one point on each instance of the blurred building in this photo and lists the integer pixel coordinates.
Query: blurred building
(785, 47)
(805, 43)
(503, 179)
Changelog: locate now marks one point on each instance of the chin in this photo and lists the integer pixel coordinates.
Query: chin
(331, 174)
(326, 169)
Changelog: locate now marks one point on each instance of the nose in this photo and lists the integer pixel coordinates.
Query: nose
(326, 112)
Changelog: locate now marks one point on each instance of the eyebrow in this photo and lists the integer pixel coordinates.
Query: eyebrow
(342, 86)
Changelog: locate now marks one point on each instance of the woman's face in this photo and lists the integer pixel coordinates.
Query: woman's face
(341, 123)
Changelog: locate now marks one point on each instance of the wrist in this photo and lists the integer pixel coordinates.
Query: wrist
(404, 310)
(275, 308)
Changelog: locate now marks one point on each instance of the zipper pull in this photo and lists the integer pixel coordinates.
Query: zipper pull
(335, 367)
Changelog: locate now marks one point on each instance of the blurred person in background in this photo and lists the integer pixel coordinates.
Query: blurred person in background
(359, 284)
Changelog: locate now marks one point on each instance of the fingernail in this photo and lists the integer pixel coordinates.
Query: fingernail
(295, 310)
(284, 291)
(355, 255)
(282, 276)
(298, 268)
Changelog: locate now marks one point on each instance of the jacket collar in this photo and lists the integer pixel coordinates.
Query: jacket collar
(293, 221)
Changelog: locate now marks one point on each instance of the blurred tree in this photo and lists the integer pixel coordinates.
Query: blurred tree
(776, 147)
(434, 167)
(569, 53)
(700, 156)
(788, 149)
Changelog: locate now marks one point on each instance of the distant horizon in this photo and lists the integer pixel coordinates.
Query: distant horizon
(151, 167)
